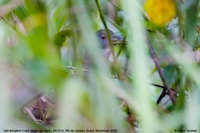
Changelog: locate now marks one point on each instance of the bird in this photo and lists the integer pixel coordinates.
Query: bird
(103, 40)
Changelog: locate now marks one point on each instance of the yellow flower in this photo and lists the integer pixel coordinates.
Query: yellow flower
(160, 11)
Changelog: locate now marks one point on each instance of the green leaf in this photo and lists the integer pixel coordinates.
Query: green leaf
(190, 26)
(61, 37)
(170, 74)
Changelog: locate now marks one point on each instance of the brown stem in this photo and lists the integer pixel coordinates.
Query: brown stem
(166, 87)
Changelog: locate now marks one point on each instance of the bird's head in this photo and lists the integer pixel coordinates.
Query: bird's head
(103, 38)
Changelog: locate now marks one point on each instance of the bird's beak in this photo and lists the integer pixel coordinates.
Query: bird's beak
(118, 39)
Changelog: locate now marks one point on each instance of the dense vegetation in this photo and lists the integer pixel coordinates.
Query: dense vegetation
(151, 83)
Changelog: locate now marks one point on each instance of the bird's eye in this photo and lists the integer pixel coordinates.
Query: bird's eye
(103, 36)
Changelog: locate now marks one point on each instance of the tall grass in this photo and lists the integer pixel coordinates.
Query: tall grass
(152, 86)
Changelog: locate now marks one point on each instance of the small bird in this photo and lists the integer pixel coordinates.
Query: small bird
(104, 42)
(103, 38)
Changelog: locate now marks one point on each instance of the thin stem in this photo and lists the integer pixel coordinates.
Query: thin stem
(166, 87)
(121, 47)
(106, 27)
(41, 110)
(13, 27)
(74, 68)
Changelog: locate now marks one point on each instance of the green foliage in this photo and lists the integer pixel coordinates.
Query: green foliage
(61, 37)
(49, 47)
